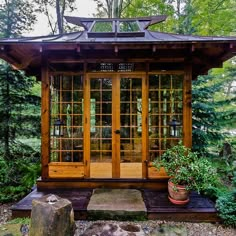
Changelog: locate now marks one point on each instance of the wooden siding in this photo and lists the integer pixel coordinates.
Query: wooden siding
(66, 170)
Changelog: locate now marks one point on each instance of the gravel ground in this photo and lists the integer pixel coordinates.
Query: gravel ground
(150, 228)
(153, 228)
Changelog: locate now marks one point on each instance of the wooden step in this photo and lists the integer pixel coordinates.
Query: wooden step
(199, 209)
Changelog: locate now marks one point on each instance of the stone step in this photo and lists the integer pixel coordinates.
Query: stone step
(116, 204)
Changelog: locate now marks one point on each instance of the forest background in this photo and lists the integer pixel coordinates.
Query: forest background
(214, 94)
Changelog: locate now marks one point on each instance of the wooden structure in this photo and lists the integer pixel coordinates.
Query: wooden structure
(114, 97)
(199, 209)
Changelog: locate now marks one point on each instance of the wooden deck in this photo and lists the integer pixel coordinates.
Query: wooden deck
(199, 209)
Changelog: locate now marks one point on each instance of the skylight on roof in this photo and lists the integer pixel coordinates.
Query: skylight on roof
(115, 28)
(102, 26)
(128, 26)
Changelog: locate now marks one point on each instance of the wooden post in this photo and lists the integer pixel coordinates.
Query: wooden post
(115, 126)
(87, 126)
(145, 105)
(45, 118)
(187, 106)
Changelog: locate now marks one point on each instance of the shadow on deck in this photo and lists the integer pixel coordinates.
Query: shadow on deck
(199, 209)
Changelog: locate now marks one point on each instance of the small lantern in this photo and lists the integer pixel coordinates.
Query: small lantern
(173, 128)
(58, 128)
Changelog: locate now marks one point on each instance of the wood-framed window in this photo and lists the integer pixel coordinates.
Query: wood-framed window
(165, 112)
(67, 105)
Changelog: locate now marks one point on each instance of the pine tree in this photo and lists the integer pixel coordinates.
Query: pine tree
(19, 109)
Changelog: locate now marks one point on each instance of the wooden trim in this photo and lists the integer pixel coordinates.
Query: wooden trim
(153, 173)
(101, 170)
(144, 125)
(187, 107)
(131, 170)
(66, 170)
(158, 184)
(87, 126)
(65, 73)
(168, 72)
(115, 126)
(71, 59)
(118, 74)
(45, 118)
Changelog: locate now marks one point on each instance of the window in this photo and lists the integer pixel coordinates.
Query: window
(102, 26)
(115, 28)
(66, 104)
(165, 112)
(128, 26)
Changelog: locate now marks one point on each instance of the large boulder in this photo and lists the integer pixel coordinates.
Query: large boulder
(52, 216)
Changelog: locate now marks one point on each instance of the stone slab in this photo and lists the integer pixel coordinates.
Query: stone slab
(122, 204)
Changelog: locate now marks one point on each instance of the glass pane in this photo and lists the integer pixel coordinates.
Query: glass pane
(102, 27)
(78, 83)
(66, 105)
(128, 26)
(101, 108)
(131, 120)
(165, 112)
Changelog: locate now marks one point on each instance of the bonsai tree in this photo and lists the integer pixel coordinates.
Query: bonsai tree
(185, 168)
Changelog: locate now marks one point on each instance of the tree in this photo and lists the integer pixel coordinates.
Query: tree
(214, 98)
(19, 118)
(112, 8)
(214, 17)
(19, 109)
(213, 93)
(15, 97)
(16, 17)
(55, 11)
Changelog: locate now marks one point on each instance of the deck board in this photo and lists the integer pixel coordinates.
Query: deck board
(199, 209)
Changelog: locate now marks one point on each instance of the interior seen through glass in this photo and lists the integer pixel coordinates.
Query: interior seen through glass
(165, 117)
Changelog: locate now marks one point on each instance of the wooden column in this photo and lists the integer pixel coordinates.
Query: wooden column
(187, 106)
(115, 127)
(145, 135)
(87, 126)
(45, 118)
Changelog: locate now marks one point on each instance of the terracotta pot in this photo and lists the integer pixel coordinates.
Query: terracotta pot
(178, 193)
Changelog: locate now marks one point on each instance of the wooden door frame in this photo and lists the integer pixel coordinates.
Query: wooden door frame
(116, 120)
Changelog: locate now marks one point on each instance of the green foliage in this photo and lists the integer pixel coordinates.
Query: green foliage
(213, 106)
(17, 176)
(19, 108)
(20, 221)
(226, 205)
(214, 17)
(186, 168)
(19, 118)
(16, 16)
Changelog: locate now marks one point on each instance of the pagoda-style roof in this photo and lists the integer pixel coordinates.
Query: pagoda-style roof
(120, 39)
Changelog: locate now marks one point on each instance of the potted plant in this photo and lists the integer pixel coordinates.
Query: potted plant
(187, 172)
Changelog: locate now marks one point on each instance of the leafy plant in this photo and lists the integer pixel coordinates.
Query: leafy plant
(186, 168)
(226, 206)
(17, 176)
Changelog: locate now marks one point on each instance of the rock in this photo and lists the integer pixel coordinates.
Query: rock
(167, 230)
(128, 205)
(114, 229)
(52, 216)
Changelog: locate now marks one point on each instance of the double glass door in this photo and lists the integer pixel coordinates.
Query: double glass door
(117, 125)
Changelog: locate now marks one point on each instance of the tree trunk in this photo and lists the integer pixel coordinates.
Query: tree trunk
(7, 121)
(59, 17)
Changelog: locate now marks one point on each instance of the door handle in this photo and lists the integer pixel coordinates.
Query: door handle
(117, 131)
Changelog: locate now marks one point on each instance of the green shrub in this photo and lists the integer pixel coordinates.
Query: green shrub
(226, 206)
(186, 168)
(18, 174)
